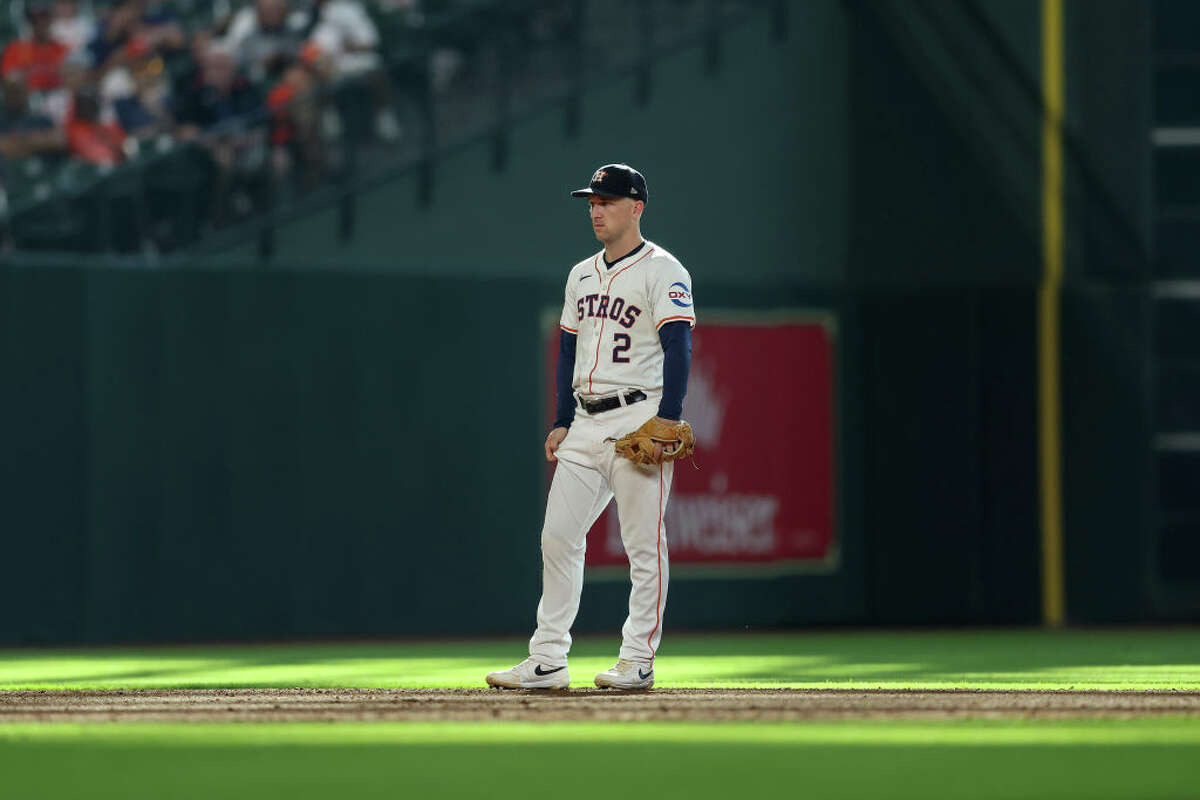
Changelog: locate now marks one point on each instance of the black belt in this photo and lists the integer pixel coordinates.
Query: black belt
(609, 403)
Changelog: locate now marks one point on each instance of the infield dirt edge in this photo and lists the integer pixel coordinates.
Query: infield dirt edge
(578, 705)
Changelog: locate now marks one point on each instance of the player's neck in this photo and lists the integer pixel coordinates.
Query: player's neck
(620, 248)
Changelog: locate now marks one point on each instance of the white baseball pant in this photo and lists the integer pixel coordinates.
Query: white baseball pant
(589, 474)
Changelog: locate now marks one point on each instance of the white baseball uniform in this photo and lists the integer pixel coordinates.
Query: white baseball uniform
(615, 312)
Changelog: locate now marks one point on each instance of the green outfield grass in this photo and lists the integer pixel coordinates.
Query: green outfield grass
(1008, 659)
(1151, 757)
(978, 759)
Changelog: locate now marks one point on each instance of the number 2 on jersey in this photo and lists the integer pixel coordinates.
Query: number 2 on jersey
(623, 344)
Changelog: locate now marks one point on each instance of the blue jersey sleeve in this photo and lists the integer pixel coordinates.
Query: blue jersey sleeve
(676, 340)
(564, 373)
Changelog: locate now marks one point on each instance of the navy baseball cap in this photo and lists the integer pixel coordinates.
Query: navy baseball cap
(616, 180)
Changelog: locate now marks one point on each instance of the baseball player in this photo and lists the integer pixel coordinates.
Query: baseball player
(623, 362)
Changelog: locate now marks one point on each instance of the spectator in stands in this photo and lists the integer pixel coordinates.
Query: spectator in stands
(348, 42)
(266, 34)
(74, 74)
(24, 133)
(151, 26)
(216, 97)
(220, 109)
(72, 26)
(295, 116)
(37, 60)
(344, 32)
(136, 92)
(129, 54)
(88, 138)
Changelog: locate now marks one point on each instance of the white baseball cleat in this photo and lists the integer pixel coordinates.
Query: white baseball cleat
(626, 674)
(530, 674)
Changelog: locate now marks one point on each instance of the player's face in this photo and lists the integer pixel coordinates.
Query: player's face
(612, 217)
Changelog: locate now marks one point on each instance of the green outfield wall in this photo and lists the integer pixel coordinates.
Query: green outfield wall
(221, 454)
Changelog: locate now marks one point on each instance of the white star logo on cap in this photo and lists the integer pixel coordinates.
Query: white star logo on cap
(599, 176)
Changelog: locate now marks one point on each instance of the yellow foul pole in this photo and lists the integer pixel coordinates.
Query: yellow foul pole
(1049, 294)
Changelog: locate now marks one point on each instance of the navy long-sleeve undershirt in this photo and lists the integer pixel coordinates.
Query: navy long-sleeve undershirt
(564, 373)
(676, 341)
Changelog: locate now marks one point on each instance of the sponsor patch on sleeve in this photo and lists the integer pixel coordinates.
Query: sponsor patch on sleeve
(680, 294)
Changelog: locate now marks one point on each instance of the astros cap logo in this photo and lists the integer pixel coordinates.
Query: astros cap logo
(616, 180)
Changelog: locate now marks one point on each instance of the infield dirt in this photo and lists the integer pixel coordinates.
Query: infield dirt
(692, 705)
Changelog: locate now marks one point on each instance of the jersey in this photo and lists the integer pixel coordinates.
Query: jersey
(616, 312)
(39, 62)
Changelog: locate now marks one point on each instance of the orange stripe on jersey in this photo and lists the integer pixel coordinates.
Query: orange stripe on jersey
(568, 330)
(674, 319)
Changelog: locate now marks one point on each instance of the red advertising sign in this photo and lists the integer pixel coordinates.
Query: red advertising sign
(760, 398)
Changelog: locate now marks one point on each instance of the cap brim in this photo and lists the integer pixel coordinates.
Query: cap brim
(591, 191)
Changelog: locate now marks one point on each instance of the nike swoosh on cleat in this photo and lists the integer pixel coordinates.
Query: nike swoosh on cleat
(644, 675)
(539, 671)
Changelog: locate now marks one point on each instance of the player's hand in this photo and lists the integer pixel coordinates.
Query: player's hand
(553, 440)
(662, 452)
(658, 447)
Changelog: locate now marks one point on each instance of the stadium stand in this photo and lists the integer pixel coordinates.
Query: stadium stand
(145, 126)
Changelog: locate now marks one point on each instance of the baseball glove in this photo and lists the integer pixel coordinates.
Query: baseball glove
(674, 440)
